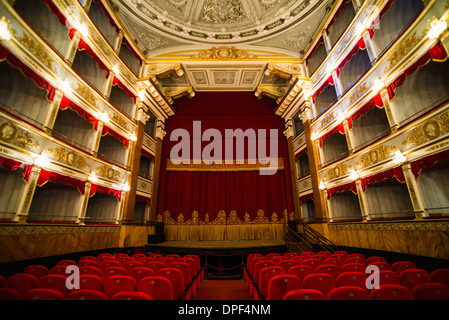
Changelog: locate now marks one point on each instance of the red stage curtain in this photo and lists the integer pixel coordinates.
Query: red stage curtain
(344, 187)
(428, 161)
(46, 176)
(107, 130)
(210, 192)
(9, 163)
(388, 174)
(67, 103)
(96, 188)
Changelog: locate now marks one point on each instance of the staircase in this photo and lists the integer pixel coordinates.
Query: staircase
(309, 240)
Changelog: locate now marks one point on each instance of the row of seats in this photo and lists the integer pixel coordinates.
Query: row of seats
(337, 276)
(107, 276)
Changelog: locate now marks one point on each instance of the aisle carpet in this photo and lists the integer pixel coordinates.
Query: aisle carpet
(223, 290)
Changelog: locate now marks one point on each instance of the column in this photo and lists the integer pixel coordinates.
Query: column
(108, 85)
(72, 49)
(337, 84)
(52, 111)
(118, 42)
(349, 137)
(312, 153)
(415, 192)
(136, 152)
(362, 200)
(83, 208)
(160, 134)
(27, 196)
(288, 133)
(371, 48)
(327, 206)
(389, 110)
(327, 41)
(97, 138)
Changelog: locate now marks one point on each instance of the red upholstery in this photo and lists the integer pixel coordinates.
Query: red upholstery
(129, 265)
(287, 264)
(259, 266)
(136, 256)
(155, 266)
(166, 261)
(266, 274)
(322, 282)
(431, 291)
(381, 265)
(353, 279)
(88, 263)
(272, 255)
(307, 254)
(90, 270)
(42, 294)
(156, 256)
(304, 294)
(22, 282)
(440, 276)
(145, 260)
(290, 255)
(141, 272)
(348, 293)
(58, 270)
(388, 277)
(173, 256)
(112, 271)
(314, 263)
(391, 292)
(375, 259)
(278, 286)
(36, 270)
(410, 278)
(400, 266)
(90, 282)
(176, 277)
(115, 284)
(53, 281)
(131, 295)
(353, 267)
(159, 288)
(331, 269)
(86, 295)
(185, 269)
(88, 258)
(356, 255)
(109, 263)
(278, 259)
(334, 260)
(324, 253)
(10, 294)
(355, 260)
(300, 271)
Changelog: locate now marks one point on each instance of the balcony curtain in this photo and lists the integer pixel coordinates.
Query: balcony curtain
(342, 188)
(97, 188)
(388, 174)
(46, 176)
(67, 103)
(427, 162)
(107, 130)
(231, 196)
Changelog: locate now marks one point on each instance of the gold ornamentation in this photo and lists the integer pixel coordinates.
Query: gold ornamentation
(233, 219)
(10, 133)
(120, 121)
(109, 173)
(327, 119)
(274, 218)
(430, 130)
(283, 70)
(375, 155)
(217, 13)
(162, 71)
(171, 93)
(224, 53)
(358, 93)
(87, 95)
(69, 157)
(337, 171)
(234, 166)
(272, 92)
(403, 49)
(38, 51)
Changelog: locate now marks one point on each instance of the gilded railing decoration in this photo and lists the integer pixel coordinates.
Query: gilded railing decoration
(375, 155)
(17, 136)
(69, 157)
(430, 130)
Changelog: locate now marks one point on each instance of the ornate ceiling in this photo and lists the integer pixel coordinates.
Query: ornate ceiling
(223, 44)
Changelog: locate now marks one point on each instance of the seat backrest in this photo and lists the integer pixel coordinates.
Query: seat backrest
(304, 294)
(145, 259)
(278, 286)
(387, 277)
(375, 259)
(391, 292)
(90, 270)
(290, 255)
(300, 271)
(431, 291)
(109, 263)
(58, 270)
(105, 254)
(176, 278)
(115, 284)
(353, 267)
(314, 263)
(66, 262)
(265, 276)
(90, 282)
(278, 259)
(53, 281)
(166, 261)
(21, 282)
(89, 258)
(287, 264)
(356, 255)
(131, 295)
(272, 255)
(155, 256)
(307, 254)
(88, 263)
(354, 279)
(322, 282)
(154, 265)
(337, 261)
(112, 271)
(331, 269)
(400, 266)
(159, 288)
(196, 259)
(341, 252)
(42, 294)
(259, 266)
(173, 256)
(253, 262)
(136, 256)
(355, 260)
(410, 278)
(191, 263)
(10, 294)
(185, 269)
(129, 265)
(140, 272)
(324, 253)
(348, 293)
(252, 256)
(381, 265)
(440, 275)
(36, 270)
(86, 295)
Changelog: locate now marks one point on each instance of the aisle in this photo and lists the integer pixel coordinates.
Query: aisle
(223, 290)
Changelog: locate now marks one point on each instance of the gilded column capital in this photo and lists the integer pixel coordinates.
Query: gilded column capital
(160, 130)
(284, 70)
(288, 132)
(171, 93)
(163, 70)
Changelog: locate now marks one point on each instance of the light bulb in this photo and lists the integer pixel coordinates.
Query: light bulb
(322, 185)
(133, 137)
(93, 177)
(437, 27)
(104, 117)
(341, 116)
(125, 187)
(399, 157)
(65, 86)
(42, 160)
(116, 69)
(313, 136)
(5, 34)
(141, 94)
(83, 30)
(378, 85)
(353, 175)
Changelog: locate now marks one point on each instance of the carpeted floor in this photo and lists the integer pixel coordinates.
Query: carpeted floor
(223, 290)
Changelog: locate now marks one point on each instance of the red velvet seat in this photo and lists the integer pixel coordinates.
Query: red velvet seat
(112, 271)
(109, 263)
(440, 275)
(352, 279)
(400, 266)
(22, 282)
(154, 265)
(430, 291)
(36, 270)
(353, 267)
(145, 260)
(140, 272)
(290, 255)
(10, 294)
(198, 266)
(88, 263)
(193, 265)
(53, 281)
(86, 295)
(278, 286)
(388, 277)
(115, 284)
(381, 265)
(304, 294)
(159, 288)
(90, 282)
(356, 255)
(131, 295)
(331, 269)
(136, 256)
(374, 259)
(314, 263)
(333, 260)
(266, 274)
(410, 278)
(300, 271)
(123, 260)
(248, 265)
(176, 277)
(355, 260)
(342, 253)
(299, 259)
(348, 293)
(66, 262)
(155, 256)
(105, 254)
(166, 261)
(256, 273)
(185, 269)
(90, 270)
(42, 294)
(270, 256)
(88, 258)
(391, 292)
(322, 282)
(324, 253)
(129, 265)
(58, 270)
(287, 264)
(173, 256)
(307, 254)
(278, 259)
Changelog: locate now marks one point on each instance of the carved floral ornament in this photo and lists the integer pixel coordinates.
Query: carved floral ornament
(224, 53)
(430, 130)
(223, 218)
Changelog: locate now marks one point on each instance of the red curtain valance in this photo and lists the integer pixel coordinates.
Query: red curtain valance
(339, 128)
(396, 173)
(111, 21)
(140, 198)
(436, 53)
(306, 197)
(46, 176)
(334, 18)
(317, 45)
(56, 12)
(107, 130)
(96, 188)
(329, 81)
(9, 163)
(345, 187)
(147, 154)
(82, 45)
(131, 49)
(428, 161)
(117, 82)
(67, 103)
(376, 101)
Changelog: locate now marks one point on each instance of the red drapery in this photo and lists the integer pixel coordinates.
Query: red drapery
(428, 161)
(82, 45)
(306, 197)
(388, 174)
(320, 41)
(147, 154)
(131, 49)
(339, 128)
(208, 192)
(334, 18)
(140, 198)
(342, 188)
(107, 130)
(67, 103)
(46, 176)
(117, 82)
(9, 163)
(96, 188)
(57, 13)
(376, 101)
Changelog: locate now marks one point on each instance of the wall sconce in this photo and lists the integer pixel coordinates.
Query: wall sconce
(42, 161)
(399, 157)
